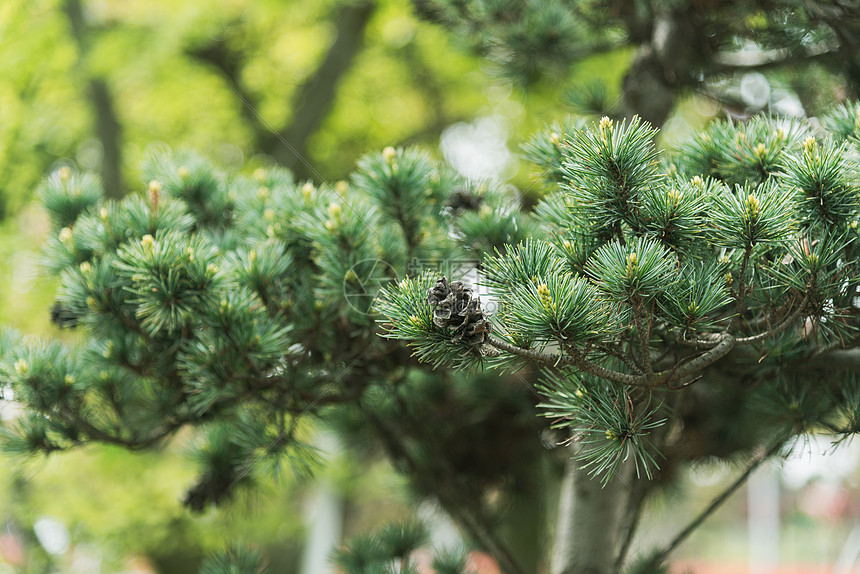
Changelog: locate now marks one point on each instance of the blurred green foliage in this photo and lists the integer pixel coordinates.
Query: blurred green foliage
(162, 93)
(407, 84)
(125, 506)
(26, 293)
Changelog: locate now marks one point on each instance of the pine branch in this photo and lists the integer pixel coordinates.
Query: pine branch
(537, 356)
(721, 349)
(580, 361)
(748, 61)
(573, 359)
(699, 343)
(785, 324)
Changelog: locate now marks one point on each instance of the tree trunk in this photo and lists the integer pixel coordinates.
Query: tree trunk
(314, 99)
(588, 523)
(109, 132)
(844, 19)
(663, 65)
(646, 92)
(105, 122)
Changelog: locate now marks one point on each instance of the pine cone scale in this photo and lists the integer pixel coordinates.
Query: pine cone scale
(456, 308)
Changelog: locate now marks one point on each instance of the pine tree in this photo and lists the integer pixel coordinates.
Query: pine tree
(699, 303)
(703, 304)
(241, 305)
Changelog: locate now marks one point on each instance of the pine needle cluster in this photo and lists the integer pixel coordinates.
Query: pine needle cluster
(233, 303)
(644, 280)
(391, 550)
(662, 294)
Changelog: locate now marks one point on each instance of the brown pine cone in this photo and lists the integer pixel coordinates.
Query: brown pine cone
(456, 308)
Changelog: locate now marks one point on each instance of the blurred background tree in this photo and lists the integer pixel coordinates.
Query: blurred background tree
(98, 82)
(97, 85)
(680, 46)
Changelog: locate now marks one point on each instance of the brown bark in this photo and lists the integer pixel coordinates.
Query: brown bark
(314, 99)
(106, 125)
(311, 102)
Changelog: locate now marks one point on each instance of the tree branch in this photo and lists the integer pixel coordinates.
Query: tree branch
(721, 349)
(779, 328)
(698, 343)
(580, 361)
(94, 433)
(228, 63)
(531, 354)
(730, 62)
(106, 126)
(575, 359)
(712, 507)
(313, 100)
(726, 344)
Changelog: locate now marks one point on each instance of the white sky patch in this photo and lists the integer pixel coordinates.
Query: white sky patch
(812, 458)
(755, 90)
(818, 459)
(52, 535)
(478, 150)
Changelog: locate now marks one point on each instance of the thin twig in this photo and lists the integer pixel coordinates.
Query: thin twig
(715, 503)
(788, 322)
(630, 522)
